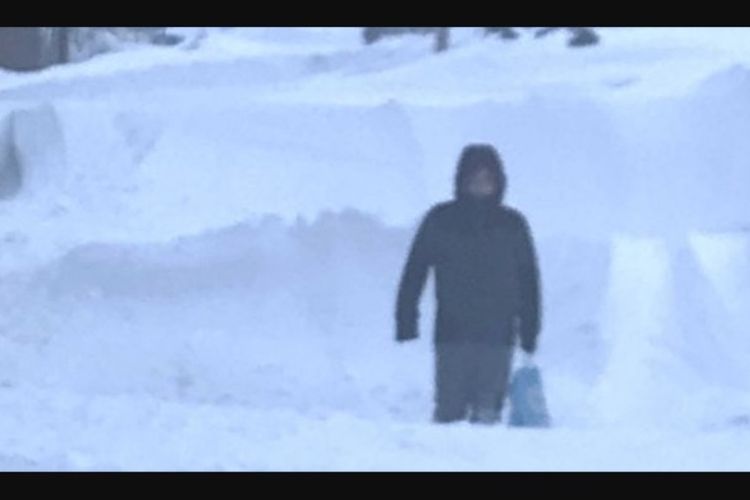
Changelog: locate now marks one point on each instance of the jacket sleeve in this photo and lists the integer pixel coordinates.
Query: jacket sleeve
(530, 307)
(413, 278)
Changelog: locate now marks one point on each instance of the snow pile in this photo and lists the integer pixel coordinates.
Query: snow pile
(205, 246)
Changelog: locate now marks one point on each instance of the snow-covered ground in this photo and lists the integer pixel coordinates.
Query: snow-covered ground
(199, 271)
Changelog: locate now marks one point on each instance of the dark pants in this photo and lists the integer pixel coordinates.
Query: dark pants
(470, 381)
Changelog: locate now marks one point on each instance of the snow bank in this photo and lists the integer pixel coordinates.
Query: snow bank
(211, 249)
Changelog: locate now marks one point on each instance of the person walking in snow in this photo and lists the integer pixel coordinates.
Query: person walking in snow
(487, 287)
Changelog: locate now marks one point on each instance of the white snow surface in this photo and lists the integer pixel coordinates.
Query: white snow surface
(199, 270)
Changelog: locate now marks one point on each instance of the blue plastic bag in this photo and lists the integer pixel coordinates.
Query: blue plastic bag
(527, 401)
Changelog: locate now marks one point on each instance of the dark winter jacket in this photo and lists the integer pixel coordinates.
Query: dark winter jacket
(486, 272)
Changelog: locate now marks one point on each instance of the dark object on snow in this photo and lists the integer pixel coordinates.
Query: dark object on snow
(371, 35)
(504, 33)
(167, 39)
(31, 49)
(542, 32)
(10, 168)
(486, 285)
(528, 406)
(442, 39)
(583, 37)
(442, 35)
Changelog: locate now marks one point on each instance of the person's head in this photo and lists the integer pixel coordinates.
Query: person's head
(479, 173)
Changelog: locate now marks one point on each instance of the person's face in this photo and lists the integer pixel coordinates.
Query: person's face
(481, 184)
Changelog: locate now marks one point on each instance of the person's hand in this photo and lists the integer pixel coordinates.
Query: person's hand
(528, 346)
(405, 335)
